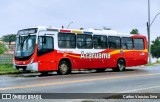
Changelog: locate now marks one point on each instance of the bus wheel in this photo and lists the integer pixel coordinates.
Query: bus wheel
(120, 66)
(100, 70)
(63, 68)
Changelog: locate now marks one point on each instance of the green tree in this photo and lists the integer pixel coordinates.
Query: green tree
(155, 48)
(9, 38)
(134, 31)
(2, 48)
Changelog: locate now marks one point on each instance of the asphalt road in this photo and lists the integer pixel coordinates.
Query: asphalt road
(98, 85)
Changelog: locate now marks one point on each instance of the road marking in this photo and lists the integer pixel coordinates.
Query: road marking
(128, 91)
(75, 81)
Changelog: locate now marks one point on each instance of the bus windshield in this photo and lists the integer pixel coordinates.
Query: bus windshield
(25, 45)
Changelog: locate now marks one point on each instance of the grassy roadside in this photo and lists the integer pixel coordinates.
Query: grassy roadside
(8, 69)
(157, 62)
(153, 64)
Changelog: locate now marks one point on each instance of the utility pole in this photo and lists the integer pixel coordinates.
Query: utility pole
(148, 28)
(149, 24)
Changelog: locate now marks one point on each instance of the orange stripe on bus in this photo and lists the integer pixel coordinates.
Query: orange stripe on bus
(111, 53)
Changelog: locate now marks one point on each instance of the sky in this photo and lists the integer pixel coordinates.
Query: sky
(119, 15)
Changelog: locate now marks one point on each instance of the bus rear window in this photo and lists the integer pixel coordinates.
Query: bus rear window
(139, 44)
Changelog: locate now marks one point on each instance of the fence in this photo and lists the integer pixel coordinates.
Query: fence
(6, 58)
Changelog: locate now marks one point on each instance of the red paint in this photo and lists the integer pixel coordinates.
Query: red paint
(65, 31)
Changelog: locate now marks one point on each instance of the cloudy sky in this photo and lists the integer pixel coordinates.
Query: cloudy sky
(119, 15)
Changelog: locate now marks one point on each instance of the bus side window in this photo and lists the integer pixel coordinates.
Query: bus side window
(80, 41)
(127, 43)
(39, 43)
(139, 44)
(84, 41)
(45, 45)
(66, 40)
(89, 42)
(114, 42)
(100, 41)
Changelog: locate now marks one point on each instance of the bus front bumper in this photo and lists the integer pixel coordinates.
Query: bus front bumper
(28, 67)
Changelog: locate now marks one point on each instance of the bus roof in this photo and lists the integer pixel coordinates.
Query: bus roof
(89, 31)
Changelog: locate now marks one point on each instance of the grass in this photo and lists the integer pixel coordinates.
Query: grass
(8, 69)
(157, 62)
(153, 64)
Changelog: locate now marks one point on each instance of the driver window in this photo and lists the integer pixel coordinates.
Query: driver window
(45, 45)
(39, 43)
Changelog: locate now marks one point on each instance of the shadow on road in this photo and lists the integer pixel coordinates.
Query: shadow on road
(79, 72)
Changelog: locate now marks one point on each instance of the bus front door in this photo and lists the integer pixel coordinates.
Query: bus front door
(46, 53)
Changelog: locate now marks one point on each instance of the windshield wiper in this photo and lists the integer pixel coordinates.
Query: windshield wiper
(22, 42)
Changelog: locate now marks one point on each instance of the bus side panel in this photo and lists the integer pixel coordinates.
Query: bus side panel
(47, 62)
(141, 56)
(128, 55)
(88, 63)
(114, 55)
(146, 51)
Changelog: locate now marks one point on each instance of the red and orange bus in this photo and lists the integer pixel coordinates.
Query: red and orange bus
(47, 49)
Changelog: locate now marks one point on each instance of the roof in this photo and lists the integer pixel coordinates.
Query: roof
(83, 31)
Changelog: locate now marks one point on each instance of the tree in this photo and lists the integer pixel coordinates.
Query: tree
(134, 31)
(155, 48)
(3, 48)
(9, 38)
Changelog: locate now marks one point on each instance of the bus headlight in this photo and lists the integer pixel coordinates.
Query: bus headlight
(31, 61)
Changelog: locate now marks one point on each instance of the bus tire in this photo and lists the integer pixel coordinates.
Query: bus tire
(120, 66)
(63, 68)
(100, 70)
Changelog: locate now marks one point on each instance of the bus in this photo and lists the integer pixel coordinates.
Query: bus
(48, 49)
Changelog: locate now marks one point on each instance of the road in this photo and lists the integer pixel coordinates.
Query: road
(133, 80)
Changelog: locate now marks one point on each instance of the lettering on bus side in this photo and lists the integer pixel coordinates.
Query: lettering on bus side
(90, 55)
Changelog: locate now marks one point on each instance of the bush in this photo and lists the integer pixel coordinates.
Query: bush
(158, 61)
(2, 48)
